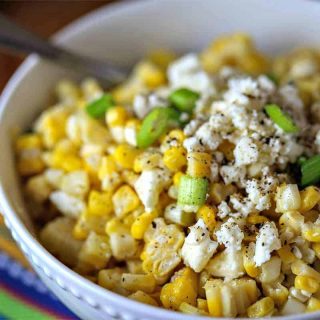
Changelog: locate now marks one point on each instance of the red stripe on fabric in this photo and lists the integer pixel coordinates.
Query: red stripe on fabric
(30, 302)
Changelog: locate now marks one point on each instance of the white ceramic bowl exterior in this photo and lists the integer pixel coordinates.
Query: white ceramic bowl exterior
(123, 33)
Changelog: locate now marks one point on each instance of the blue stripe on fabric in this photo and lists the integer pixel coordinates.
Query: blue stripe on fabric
(3, 317)
(27, 284)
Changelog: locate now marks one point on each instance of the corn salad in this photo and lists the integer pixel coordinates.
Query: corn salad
(192, 186)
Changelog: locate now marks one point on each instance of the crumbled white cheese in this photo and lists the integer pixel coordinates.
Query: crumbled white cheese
(230, 235)
(246, 152)
(242, 204)
(231, 173)
(223, 210)
(198, 248)
(143, 103)
(130, 135)
(208, 137)
(68, 205)
(267, 241)
(193, 145)
(187, 72)
(148, 187)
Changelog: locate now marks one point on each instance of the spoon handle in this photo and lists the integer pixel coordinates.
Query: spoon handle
(18, 39)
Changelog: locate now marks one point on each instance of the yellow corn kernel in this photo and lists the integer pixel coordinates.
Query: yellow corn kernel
(176, 178)
(147, 160)
(162, 58)
(277, 292)
(300, 268)
(28, 166)
(182, 289)
(100, 203)
(262, 308)
(115, 225)
(202, 304)
(125, 200)
(141, 223)
(256, 219)
(131, 130)
(80, 230)
(311, 232)
(227, 148)
(116, 116)
(219, 192)
(286, 255)
(150, 74)
(248, 263)
(175, 158)
(316, 249)
(28, 141)
(67, 91)
(287, 198)
(125, 155)
(214, 299)
(208, 215)
(292, 219)
(313, 305)
(107, 167)
(174, 138)
(111, 279)
(310, 196)
(199, 164)
(95, 251)
(143, 297)
(134, 282)
(189, 309)
(306, 283)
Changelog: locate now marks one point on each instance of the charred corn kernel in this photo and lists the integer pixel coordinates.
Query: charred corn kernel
(125, 155)
(175, 158)
(162, 58)
(134, 282)
(316, 249)
(28, 166)
(219, 192)
(150, 74)
(277, 292)
(208, 215)
(288, 198)
(143, 297)
(95, 251)
(125, 200)
(311, 232)
(182, 289)
(28, 141)
(199, 164)
(116, 116)
(189, 309)
(262, 308)
(310, 196)
(100, 203)
(214, 299)
(300, 268)
(292, 219)
(286, 255)
(147, 160)
(256, 219)
(313, 305)
(141, 223)
(306, 283)
(176, 178)
(248, 262)
(202, 304)
(227, 148)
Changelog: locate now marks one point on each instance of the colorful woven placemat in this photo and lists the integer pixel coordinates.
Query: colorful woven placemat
(22, 294)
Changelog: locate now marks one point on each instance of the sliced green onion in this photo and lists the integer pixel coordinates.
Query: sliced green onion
(280, 118)
(155, 124)
(301, 160)
(98, 108)
(310, 171)
(192, 191)
(184, 99)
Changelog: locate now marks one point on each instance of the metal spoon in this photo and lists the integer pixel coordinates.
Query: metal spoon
(15, 37)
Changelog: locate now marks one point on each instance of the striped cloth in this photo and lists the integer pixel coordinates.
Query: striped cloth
(22, 295)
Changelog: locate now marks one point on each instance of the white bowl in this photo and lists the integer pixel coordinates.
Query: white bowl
(123, 33)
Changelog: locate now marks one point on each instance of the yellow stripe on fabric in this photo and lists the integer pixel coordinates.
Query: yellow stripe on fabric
(13, 309)
(11, 249)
